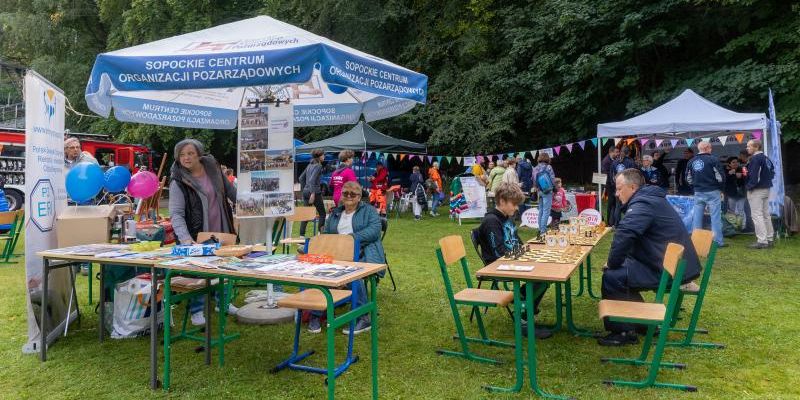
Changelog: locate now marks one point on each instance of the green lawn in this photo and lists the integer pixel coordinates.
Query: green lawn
(751, 306)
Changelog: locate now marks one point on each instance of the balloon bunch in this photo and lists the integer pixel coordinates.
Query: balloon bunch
(85, 180)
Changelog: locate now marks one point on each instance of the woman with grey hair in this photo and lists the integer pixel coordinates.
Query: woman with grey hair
(198, 202)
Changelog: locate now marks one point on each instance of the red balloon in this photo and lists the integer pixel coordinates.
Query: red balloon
(143, 184)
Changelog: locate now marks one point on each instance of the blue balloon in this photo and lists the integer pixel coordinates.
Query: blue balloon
(84, 181)
(338, 89)
(116, 179)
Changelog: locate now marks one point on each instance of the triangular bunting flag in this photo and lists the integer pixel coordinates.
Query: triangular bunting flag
(689, 142)
(616, 141)
(658, 142)
(458, 159)
(582, 143)
(499, 156)
(644, 141)
(569, 146)
(604, 141)
(674, 142)
(430, 159)
(402, 156)
(510, 155)
(533, 154)
(449, 159)
(757, 135)
(594, 142)
(557, 149)
(739, 137)
(439, 159)
(629, 141)
(722, 139)
(479, 159)
(705, 139)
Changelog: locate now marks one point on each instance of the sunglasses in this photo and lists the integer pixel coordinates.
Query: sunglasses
(351, 194)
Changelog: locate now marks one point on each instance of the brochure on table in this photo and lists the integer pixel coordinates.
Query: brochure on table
(265, 185)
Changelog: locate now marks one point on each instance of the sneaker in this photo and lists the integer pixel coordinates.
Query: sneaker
(313, 325)
(232, 309)
(690, 287)
(431, 213)
(618, 339)
(362, 325)
(417, 218)
(759, 246)
(198, 319)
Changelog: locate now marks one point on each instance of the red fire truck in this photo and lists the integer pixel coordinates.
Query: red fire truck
(107, 153)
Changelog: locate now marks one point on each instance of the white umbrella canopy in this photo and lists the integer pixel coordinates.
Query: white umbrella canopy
(201, 79)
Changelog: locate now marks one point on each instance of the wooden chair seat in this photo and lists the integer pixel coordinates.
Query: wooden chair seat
(312, 299)
(486, 296)
(297, 240)
(633, 310)
(183, 284)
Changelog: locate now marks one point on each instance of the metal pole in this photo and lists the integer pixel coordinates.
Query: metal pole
(600, 170)
(43, 319)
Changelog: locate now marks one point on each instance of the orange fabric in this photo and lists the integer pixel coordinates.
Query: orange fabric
(377, 196)
(433, 173)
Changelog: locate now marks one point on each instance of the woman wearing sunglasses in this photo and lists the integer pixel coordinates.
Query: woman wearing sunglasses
(354, 217)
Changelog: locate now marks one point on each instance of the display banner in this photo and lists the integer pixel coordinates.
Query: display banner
(474, 196)
(265, 185)
(46, 198)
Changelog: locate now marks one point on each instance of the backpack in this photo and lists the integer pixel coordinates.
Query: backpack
(770, 169)
(544, 182)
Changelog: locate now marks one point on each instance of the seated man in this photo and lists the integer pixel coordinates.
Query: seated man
(498, 234)
(635, 261)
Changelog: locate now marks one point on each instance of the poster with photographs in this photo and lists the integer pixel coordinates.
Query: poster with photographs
(265, 186)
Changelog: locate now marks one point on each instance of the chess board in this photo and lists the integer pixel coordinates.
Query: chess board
(581, 241)
(556, 256)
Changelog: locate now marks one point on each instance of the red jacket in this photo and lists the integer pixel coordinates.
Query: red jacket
(381, 180)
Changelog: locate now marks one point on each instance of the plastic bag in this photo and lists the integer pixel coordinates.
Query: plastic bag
(132, 308)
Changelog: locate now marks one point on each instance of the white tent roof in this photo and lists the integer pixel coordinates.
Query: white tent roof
(688, 112)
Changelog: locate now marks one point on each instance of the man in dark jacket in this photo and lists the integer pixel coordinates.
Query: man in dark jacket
(760, 172)
(635, 260)
(497, 235)
(312, 190)
(622, 163)
(681, 185)
(605, 168)
(658, 162)
(707, 175)
(525, 176)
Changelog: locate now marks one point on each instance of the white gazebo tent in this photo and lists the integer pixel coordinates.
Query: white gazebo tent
(688, 116)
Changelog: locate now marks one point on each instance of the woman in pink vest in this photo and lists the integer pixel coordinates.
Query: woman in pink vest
(343, 174)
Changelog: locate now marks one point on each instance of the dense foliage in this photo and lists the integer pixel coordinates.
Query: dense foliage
(504, 75)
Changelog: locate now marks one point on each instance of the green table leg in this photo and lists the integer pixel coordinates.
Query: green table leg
(373, 298)
(520, 370)
(570, 321)
(529, 299)
(580, 280)
(589, 277)
(167, 323)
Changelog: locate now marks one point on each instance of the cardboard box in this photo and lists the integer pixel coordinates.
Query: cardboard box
(84, 225)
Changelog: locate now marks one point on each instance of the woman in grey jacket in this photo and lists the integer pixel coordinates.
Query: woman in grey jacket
(198, 202)
(312, 190)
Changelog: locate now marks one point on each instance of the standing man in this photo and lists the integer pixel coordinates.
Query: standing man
(760, 172)
(544, 181)
(605, 168)
(310, 181)
(433, 174)
(73, 154)
(706, 174)
(525, 175)
(622, 163)
(636, 258)
(683, 187)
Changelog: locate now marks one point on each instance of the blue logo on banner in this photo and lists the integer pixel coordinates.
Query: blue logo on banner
(42, 201)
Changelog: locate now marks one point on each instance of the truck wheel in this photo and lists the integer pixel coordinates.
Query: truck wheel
(15, 199)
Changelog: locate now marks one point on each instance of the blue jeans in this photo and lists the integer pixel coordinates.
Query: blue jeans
(435, 202)
(197, 303)
(714, 203)
(545, 204)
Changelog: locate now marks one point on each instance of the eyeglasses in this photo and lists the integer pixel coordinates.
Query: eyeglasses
(351, 194)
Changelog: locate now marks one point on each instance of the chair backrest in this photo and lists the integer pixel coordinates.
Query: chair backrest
(476, 243)
(340, 247)
(302, 214)
(225, 239)
(8, 217)
(672, 256)
(452, 248)
(702, 239)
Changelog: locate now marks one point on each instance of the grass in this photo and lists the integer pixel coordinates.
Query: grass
(751, 307)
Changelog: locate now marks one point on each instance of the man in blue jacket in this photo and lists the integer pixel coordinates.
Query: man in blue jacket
(622, 163)
(760, 172)
(707, 175)
(636, 257)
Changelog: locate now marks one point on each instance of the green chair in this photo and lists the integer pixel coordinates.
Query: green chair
(703, 241)
(15, 219)
(653, 315)
(451, 250)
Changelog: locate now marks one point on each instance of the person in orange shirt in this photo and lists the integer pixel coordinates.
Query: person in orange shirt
(433, 174)
(380, 182)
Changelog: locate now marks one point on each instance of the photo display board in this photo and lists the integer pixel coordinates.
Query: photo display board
(265, 185)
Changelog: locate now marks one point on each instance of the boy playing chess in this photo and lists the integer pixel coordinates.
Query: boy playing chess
(497, 235)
